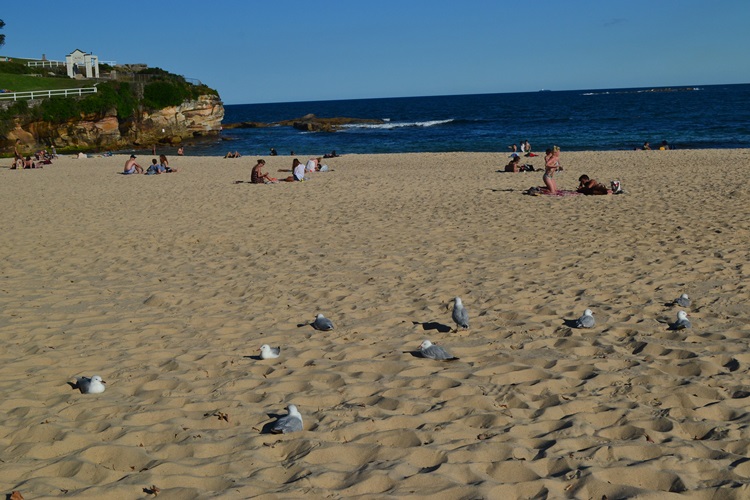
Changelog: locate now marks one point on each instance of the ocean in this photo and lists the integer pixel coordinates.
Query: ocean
(705, 117)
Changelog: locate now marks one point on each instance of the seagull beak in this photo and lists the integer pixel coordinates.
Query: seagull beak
(104, 381)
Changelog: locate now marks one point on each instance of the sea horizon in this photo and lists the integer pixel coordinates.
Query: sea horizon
(687, 117)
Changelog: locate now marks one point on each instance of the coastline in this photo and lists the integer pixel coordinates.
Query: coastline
(168, 285)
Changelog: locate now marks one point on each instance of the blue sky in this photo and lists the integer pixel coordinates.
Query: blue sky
(255, 51)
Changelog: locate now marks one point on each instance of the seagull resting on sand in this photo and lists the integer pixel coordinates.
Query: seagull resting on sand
(587, 320)
(322, 323)
(288, 423)
(681, 323)
(428, 350)
(268, 352)
(93, 385)
(682, 301)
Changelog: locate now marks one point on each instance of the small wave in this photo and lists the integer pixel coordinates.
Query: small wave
(391, 125)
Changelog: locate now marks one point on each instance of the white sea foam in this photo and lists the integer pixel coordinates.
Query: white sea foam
(391, 125)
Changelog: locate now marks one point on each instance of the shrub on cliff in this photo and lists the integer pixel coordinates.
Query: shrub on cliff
(18, 108)
(161, 94)
(109, 96)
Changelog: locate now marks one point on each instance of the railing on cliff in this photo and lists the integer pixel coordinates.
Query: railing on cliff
(44, 64)
(41, 94)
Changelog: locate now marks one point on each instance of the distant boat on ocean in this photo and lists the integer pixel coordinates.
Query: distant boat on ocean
(545, 90)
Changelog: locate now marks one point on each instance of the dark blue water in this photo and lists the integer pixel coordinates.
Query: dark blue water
(715, 116)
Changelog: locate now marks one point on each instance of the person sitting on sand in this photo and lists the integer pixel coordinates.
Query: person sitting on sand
(29, 163)
(646, 146)
(131, 167)
(590, 186)
(514, 165)
(274, 152)
(236, 154)
(298, 172)
(332, 154)
(164, 164)
(258, 177)
(154, 168)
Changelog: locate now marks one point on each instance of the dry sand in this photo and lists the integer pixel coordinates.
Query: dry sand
(168, 285)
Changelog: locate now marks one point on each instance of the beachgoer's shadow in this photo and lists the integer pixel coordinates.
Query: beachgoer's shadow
(433, 325)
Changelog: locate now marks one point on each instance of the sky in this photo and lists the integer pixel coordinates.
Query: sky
(261, 51)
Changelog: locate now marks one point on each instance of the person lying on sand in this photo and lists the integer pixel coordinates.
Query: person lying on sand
(236, 154)
(590, 186)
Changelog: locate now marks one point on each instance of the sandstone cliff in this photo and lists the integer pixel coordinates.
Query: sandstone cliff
(169, 125)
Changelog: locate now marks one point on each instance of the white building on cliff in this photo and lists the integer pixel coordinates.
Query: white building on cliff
(80, 63)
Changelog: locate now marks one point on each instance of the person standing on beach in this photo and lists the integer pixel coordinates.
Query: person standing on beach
(551, 165)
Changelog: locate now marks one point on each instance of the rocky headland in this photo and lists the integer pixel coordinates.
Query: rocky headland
(170, 125)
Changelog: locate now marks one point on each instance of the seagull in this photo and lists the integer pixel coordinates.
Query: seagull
(681, 323)
(288, 423)
(682, 301)
(322, 323)
(93, 385)
(587, 320)
(460, 314)
(268, 352)
(430, 351)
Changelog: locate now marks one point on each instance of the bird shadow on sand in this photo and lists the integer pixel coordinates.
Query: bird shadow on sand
(415, 354)
(256, 357)
(268, 428)
(571, 323)
(433, 325)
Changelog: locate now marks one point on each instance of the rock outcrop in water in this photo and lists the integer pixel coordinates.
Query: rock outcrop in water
(310, 123)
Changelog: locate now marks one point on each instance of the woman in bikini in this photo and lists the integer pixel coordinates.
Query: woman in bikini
(551, 164)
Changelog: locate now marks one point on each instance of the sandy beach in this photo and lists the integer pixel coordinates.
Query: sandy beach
(168, 285)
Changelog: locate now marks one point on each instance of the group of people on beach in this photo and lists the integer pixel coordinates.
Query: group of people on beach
(299, 171)
(552, 165)
(160, 166)
(647, 146)
(37, 160)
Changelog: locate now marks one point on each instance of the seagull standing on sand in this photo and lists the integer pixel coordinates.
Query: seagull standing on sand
(268, 352)
(322, 323)
(288, 423)
(587, 320)
(93, 385)
(682, 301)
(428, 350)
(460, 314)
(681, 323)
